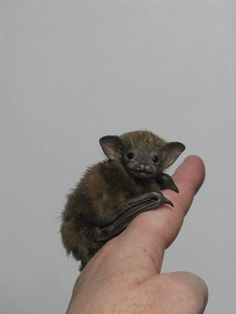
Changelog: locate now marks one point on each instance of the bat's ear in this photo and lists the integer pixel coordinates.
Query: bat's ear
(170, 152)
(111, 146)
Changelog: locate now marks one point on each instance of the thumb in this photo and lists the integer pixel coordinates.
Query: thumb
(153, 231)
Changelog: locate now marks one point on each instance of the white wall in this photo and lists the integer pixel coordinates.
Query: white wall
(73, 71)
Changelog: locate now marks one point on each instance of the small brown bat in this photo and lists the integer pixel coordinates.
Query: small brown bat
(116, 190)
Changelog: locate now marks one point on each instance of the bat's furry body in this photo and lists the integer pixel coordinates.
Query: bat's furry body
(107, 186)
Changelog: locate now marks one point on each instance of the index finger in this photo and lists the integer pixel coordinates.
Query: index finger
(152, 232)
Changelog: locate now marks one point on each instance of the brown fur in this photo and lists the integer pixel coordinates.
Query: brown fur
(99, 196)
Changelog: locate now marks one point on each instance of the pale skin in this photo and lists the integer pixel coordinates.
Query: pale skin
(125, 275)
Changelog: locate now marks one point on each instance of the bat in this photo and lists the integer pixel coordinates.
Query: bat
(113, 192)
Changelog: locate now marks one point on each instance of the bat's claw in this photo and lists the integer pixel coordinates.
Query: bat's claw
(166, 182)
(166, 201)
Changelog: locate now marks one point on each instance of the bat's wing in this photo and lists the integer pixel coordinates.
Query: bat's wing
(134, 207)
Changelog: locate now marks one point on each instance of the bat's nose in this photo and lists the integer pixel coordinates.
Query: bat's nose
(143, 167)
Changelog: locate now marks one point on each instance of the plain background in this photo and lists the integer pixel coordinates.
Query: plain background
(73, 71)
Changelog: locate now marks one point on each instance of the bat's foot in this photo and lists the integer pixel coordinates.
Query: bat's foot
(166, 182)
(134, 207)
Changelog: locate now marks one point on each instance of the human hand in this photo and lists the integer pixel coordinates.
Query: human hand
(124, 276)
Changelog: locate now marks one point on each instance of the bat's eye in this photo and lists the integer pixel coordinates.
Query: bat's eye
(130, 155)
(156, 159)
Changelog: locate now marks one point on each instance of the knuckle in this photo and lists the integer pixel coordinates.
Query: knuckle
(191, 293)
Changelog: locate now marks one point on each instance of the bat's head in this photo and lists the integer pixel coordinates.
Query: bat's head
(142, 154)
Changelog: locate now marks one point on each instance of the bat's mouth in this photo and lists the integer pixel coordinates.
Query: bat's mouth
(141, 174)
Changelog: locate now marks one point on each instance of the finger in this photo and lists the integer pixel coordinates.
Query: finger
(182, 292)
(154, 231)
